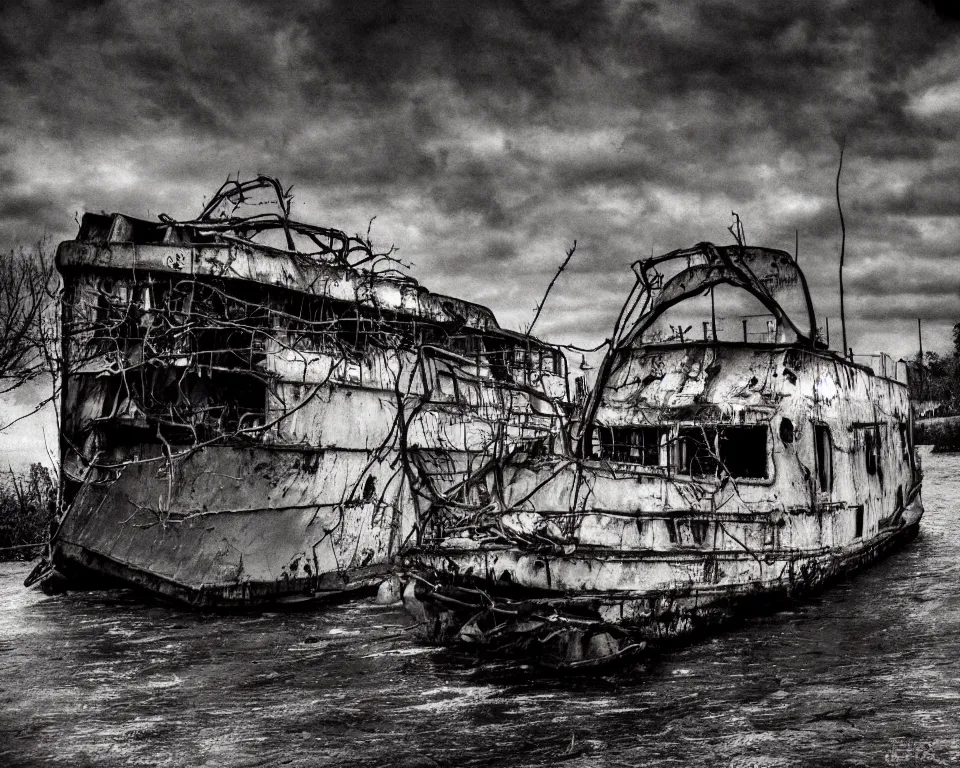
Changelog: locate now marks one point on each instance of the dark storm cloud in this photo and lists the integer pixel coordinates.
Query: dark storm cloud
(485, 137)
(500, 46)
(933, 193)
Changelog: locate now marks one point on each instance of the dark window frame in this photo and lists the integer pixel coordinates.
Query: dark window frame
(637, 445)
(823, 456)
(712, 450)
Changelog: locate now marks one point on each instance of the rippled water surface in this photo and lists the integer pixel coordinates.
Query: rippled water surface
(868, 674)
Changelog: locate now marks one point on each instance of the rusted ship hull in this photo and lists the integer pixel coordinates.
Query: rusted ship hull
(563, 627)
(233, 527)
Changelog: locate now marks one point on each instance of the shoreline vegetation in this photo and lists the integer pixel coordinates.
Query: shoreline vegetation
(942, 432)
(935, 381)
(935, 391)
(28, 502)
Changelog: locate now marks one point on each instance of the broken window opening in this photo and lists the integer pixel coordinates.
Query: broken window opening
(695, 451)
(511, 360)
(467, 345)
(354, 333)
(871, 449)
(739, 451)
(186, 407)
(369, 489)
(630, 445)
(743, 451)
(824, 457)
(699, 530)
(309, 326)
(447, 386)
(671, 529)
(786, 430)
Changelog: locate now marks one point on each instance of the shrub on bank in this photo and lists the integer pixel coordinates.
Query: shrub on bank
(27, 510)
(943, 434)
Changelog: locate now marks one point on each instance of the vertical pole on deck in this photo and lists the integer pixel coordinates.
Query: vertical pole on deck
(828, 333)
(744, 329)
(920, 338)
(843, 244)
(713, 314)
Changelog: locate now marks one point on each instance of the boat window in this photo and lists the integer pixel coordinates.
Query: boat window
(786, 430)
(871, 445)
(580, 389)
(671, 529)
(507, 358)
(699, 530)
(496, 358)
(859, 522)
(695, 452)
(447, 385)
(466, 346)
(308, 326)
(743, 451)
(369, 489)
(632, 445)
(185, 406)
(548, 360)
(353, 333)
(824, 448)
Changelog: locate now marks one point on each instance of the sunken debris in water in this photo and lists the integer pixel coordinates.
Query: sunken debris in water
(259, 410)
(699, 477)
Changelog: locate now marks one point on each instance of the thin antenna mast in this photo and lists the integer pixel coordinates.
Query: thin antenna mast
(843, 243)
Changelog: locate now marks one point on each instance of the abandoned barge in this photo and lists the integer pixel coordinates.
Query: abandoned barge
(700, 478)
(256, 410)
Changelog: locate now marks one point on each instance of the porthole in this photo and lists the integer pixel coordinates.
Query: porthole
(786, 430)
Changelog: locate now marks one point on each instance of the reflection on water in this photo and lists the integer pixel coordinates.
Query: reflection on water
(868, 674)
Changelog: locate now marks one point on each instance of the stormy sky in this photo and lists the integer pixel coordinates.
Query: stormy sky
(486, 136)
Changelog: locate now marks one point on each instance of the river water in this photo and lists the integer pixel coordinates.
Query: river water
(868, 674)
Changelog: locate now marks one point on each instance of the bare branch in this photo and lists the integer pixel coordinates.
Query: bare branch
(27, 309)
(543, 301)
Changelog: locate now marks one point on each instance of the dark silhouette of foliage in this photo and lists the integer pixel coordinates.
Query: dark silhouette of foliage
(27, 510)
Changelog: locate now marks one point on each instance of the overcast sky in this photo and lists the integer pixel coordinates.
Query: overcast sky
(486, 136)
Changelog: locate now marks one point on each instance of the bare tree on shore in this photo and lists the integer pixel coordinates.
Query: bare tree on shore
(29, 322)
